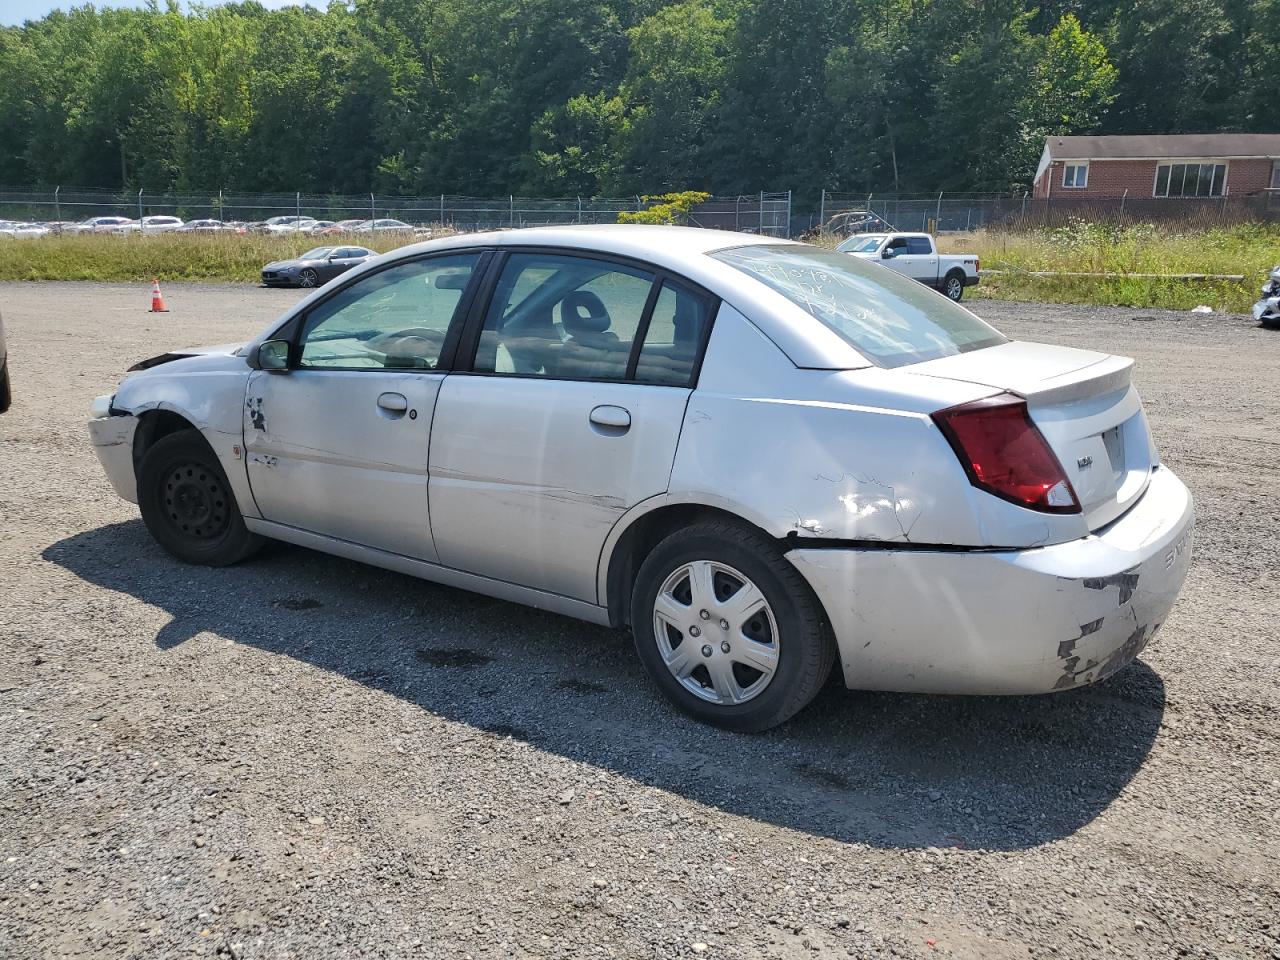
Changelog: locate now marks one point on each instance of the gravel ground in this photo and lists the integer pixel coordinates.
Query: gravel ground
(304, 757)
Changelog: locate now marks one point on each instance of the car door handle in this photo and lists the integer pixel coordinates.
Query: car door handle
(393, 402)
(614, 420)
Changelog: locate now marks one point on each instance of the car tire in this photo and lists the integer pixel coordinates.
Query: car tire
(188, 505)
(308, 278)
(788, 635)
(953, 286)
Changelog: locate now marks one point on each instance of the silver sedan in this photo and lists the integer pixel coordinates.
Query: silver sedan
(763, 457)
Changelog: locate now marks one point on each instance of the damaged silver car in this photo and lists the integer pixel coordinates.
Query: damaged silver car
(763, 457)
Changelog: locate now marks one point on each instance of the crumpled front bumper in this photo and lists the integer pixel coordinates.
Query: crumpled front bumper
(1007, 622)
(112, 438)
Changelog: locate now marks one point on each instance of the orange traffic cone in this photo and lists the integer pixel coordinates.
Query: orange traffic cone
(157, 298)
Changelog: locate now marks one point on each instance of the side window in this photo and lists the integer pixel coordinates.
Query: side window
(671, 343)
(395, 318)
(568, 317)
(919, 245)
(899, 244)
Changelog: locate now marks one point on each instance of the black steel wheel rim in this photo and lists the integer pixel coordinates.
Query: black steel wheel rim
(195, 502)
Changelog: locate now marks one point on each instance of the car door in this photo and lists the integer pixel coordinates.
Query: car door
(568, 417)
(338, 443)
(921, 260)
(340, 261)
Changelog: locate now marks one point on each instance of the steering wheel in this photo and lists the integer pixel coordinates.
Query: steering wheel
(401, 348)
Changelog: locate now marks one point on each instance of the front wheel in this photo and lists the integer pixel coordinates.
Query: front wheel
(728, 629)
(308, 278)
(187, 503)
(953, 287)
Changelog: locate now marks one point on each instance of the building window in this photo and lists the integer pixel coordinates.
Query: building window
(1191, 179)
(1075, 175)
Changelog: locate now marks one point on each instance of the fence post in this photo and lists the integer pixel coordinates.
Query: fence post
(787, 228)
(579, 209)
(1123, 197)
(511, 200)
(822, 209)
(219, 204)
(297, 205)
(937, 214)
(373, 210)
(57, 206)
(140, 209)
(442, 208)
(762, 211)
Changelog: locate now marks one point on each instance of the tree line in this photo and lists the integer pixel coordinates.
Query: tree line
(615, 97)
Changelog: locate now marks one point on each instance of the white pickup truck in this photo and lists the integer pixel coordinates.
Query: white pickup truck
(916, 256)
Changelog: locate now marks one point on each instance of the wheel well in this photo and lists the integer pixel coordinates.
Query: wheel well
(641, 537)
(954, 272)
(153, 425)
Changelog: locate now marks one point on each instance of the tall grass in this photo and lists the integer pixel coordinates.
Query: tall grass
(1251, 250)
(168, 256)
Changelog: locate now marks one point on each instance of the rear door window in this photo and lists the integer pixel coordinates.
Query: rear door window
(566, 317)
(676, 330)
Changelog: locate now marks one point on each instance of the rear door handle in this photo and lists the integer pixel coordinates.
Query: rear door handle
(614, 420)
(393, 402)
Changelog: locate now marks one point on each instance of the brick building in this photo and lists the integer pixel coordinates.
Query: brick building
(1183, 165)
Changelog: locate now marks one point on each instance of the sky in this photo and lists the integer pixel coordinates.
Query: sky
(14, 12)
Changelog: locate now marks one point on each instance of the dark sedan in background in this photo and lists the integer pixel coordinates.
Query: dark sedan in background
(314, 267)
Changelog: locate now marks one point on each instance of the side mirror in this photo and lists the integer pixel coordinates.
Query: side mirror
(888, 253)
(274, 355)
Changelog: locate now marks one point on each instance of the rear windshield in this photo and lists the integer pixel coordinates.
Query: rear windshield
(887, 317)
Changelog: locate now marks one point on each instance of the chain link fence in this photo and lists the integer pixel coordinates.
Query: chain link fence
(772, 214)
(767, 213)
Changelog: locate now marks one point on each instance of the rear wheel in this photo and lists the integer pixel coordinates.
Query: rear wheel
(728, 629)
(187, 503)
(953, 286)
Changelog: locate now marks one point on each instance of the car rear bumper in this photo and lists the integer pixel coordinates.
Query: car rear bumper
(1007, 622)
(112, 439)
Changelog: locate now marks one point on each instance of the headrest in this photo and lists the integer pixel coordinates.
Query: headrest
(583, 312)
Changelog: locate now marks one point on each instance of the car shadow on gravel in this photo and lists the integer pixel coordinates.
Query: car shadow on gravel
(881, 769)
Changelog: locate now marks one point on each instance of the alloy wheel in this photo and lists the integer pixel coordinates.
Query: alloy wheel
(954, 288)
(716, 632)
(308, 278)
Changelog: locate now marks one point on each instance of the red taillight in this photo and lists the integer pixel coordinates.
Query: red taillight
(1004, 453)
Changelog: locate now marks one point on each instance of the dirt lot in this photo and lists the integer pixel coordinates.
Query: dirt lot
(303, 757)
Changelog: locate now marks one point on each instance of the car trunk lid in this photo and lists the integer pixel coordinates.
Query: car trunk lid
(1083, 403)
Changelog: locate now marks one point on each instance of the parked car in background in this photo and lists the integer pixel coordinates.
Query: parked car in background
(158, 223)
(1267, 310)
(314, 267)
(280, 225)
(384, 225)
(6, 397)
(763, 456)
(342, 226)
(320, 226)
(204, 226)
(105, 225)
(23, 231)
(915, 255)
